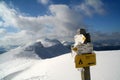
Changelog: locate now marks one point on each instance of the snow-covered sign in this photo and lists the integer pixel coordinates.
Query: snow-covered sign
(80, 39)
(83, 48)
(85, 60)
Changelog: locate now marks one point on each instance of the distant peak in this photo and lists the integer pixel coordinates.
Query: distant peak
(49, 42)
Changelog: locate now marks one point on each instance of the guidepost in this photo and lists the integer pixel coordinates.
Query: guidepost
(84, 56)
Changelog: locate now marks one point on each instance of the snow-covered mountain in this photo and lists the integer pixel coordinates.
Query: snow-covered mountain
(24, 55)
(46, 48)
(67, 44)
(41, 60)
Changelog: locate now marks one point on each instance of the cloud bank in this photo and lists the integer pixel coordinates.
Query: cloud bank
(61, 23)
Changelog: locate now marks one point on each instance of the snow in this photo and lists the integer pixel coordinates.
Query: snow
(47, 48)
(10, 63)
(49, 42)
(107, 67)
(22, 64)
(63, 68)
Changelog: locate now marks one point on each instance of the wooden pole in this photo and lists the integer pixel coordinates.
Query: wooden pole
(86, 70)
(82, 74)
(81, 59)
(87, 73)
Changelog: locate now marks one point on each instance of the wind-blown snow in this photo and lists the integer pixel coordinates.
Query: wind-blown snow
(18, 64)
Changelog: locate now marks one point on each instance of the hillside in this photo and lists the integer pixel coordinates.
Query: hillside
(23, 63)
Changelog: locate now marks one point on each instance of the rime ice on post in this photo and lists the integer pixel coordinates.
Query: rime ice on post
(84, 56)
(83, 42)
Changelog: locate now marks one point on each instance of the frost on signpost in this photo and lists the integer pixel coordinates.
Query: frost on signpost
(84, 56)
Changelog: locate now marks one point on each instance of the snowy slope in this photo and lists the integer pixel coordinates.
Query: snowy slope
(24, 63)
(51, 48)
(21, 58)
(11, 63)
(62, 68)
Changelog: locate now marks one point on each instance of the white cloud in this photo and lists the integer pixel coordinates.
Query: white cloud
(44, 2)
(7, 15)
(106, 37)
(2, 31)
(97, 5)
(90, 7)
(61, 24)
(19, 38)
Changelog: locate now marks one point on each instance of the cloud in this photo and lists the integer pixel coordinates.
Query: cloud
(2, 31)
(99, 36)
(44, 2)
(90, 7)
(98, 5)
(7, 15)
(62, 23)
(19, 38)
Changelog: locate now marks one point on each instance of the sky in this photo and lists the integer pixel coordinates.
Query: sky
(22, 21)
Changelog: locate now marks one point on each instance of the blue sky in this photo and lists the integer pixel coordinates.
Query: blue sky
(33, 17)
(108, 22)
